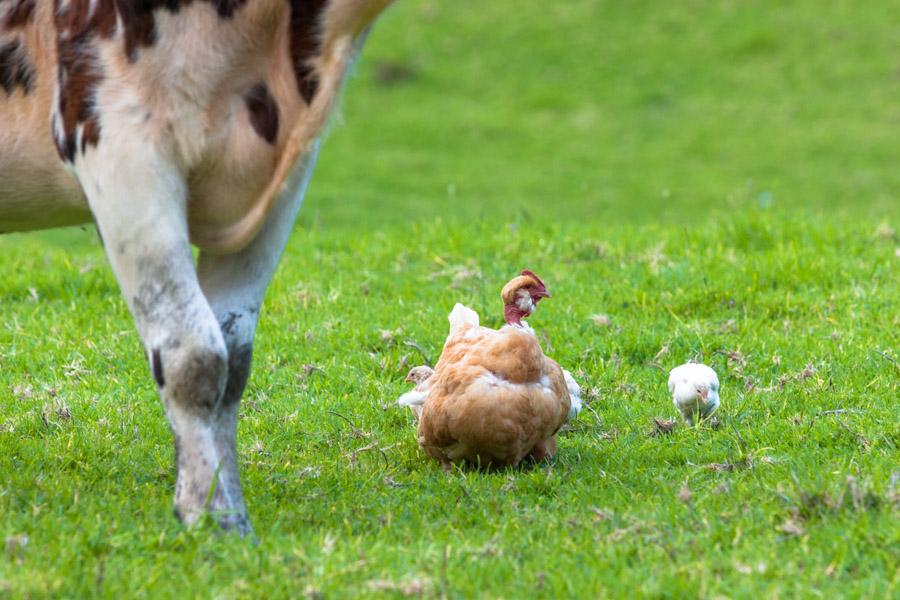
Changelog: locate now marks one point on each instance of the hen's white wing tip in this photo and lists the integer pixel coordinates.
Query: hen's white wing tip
(575, 403)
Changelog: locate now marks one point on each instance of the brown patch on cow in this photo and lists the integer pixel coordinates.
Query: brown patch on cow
(305, 44)
(15, 70)
(78, 70)
(77, 28)
(77, 22)
(227, 8)
(139, 24)
(21, 13)
(263, 112)
(139, 21)
(90, 134)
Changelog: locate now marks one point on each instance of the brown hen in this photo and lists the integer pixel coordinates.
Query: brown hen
(493, 397)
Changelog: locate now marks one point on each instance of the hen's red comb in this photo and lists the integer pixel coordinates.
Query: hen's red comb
(528, 273)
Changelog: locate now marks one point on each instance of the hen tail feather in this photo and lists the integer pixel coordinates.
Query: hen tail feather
(460, 317)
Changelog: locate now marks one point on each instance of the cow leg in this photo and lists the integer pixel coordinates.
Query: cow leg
(234, 285)
(139, 207)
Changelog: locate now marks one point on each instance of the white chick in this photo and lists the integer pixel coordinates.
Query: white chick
(695, 389)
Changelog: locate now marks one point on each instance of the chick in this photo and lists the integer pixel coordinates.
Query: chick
(695, 390)
(419, 375)
(416, 398)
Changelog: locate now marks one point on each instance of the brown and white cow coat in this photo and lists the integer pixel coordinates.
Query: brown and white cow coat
(171, 122)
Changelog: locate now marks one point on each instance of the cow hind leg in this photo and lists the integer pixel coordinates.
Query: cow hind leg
(139, 206)
(235, 285)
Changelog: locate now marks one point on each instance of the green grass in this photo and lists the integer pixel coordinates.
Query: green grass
(719, 179)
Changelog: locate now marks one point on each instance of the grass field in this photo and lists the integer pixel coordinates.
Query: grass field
(721, 180)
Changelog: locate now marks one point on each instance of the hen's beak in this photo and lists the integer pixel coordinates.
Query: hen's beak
(540, 292)
(409, 379)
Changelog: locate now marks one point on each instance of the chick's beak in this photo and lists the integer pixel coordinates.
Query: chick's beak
(409, 379)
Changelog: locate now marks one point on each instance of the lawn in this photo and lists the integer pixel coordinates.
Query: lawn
(719, 180)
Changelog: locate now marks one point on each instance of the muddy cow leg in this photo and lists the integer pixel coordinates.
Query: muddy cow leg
(138, 199)
(234, 285)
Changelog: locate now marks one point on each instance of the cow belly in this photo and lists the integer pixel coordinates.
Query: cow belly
(39, 205)
(36, 190)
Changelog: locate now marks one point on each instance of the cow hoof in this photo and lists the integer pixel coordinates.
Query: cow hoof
(231, 521)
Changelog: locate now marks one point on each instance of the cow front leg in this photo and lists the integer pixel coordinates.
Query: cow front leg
(139, 206)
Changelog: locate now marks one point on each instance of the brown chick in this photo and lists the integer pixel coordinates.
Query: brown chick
(494, 398)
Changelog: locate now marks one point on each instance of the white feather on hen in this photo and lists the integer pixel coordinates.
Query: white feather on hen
(576, 404)
(460, 317)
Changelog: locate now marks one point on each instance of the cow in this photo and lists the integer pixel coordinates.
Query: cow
(172, 123)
